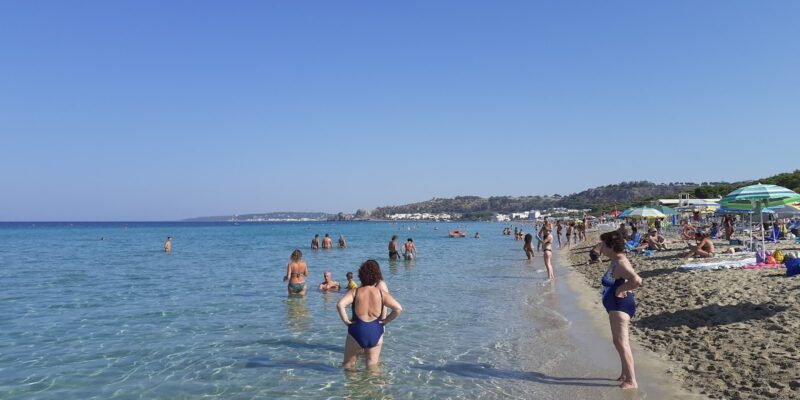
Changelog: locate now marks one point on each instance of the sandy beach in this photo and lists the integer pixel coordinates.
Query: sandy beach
(729, 333)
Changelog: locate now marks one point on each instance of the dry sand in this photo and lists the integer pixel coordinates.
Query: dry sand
(728, 333)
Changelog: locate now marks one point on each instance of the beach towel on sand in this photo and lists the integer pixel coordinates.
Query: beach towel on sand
(727, 264)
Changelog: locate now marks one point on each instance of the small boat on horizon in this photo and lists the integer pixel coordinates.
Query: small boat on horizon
(457, 233)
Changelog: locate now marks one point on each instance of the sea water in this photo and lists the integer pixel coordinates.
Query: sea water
(82, 317)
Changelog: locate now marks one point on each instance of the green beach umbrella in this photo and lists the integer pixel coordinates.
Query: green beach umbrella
(666, 210)
(757, 197)
(645, 212)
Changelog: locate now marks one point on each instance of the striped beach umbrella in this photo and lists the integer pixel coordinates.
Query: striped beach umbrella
(758, 197)
(645, 212)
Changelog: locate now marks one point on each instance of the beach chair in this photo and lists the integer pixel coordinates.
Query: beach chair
(633, 244)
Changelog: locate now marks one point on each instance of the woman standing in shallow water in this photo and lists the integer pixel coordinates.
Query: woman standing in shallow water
(366, 327)
(619, 302)
(528, 246)
(296, 273)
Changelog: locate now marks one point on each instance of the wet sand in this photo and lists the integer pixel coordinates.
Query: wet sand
(576, 319)
(729, 333)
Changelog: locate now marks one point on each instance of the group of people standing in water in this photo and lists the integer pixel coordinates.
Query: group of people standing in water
(327, 242)
(370, 300)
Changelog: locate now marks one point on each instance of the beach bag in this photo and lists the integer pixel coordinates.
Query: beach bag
(793, 266)
(760, 257)
(778, 256)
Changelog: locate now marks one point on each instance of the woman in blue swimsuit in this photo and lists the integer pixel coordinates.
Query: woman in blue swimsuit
(365, 329)
(619, 302)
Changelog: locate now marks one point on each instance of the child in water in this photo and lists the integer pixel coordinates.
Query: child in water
(350, 283)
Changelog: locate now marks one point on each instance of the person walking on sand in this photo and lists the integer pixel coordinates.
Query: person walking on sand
(315, 242)
(618, 282)
(568, 235)
(547, 252)
(366, 327)
(528, 246)
(296, 273)
(393, 254)
(559, 227)
(168, 245)
(342, 243)
(327, 243)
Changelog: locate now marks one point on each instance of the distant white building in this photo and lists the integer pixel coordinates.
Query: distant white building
(420, 217)
(502, 218)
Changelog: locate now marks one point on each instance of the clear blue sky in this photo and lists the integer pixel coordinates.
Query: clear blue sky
(152, 110)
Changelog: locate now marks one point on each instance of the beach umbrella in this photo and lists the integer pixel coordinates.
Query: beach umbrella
(726, 210)
(785, 210)
(758, 197)
(624, 213)
(666, 210)
(645, 212)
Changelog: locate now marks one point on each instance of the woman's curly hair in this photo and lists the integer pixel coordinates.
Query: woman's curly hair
(614, 241)
(369, 273)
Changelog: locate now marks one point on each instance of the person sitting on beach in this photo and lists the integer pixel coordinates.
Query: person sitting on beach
(342, 243)
(327, 243)
(623, 231)
(393, 254)
(714, 230)
(409, 250)
(168, 245)
(635, 238)
(315, 242)
(296, 273)
(654, 240)
(329, 284)
(528, 246)
(351, 284)
(594, 253)
(704, 247)
(618, 299)
(366, 327)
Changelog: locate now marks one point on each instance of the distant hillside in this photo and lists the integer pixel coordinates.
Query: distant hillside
(620, 195)
(599, 199)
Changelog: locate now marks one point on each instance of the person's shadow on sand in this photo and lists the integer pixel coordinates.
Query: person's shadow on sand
(710, 315)
(486, 371)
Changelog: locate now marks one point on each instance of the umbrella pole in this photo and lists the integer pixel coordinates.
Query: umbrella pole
(763, 231)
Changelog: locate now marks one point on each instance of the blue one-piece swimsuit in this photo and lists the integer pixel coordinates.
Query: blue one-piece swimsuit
(366, 334)
(610, 300)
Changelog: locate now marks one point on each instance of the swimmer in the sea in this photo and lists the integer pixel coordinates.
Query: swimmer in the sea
(409, 250)
(327, 243)
(393, 254)
(315, 242)
(168, 245)
(329, 284)
(342, 243)
(351, 284)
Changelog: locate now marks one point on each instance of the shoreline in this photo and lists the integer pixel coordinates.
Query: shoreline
(721, 333)
(591, 331)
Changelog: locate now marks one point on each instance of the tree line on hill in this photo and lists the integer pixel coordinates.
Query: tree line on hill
(600, 199)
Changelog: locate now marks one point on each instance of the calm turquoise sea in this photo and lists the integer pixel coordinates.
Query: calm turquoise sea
(85, 318)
